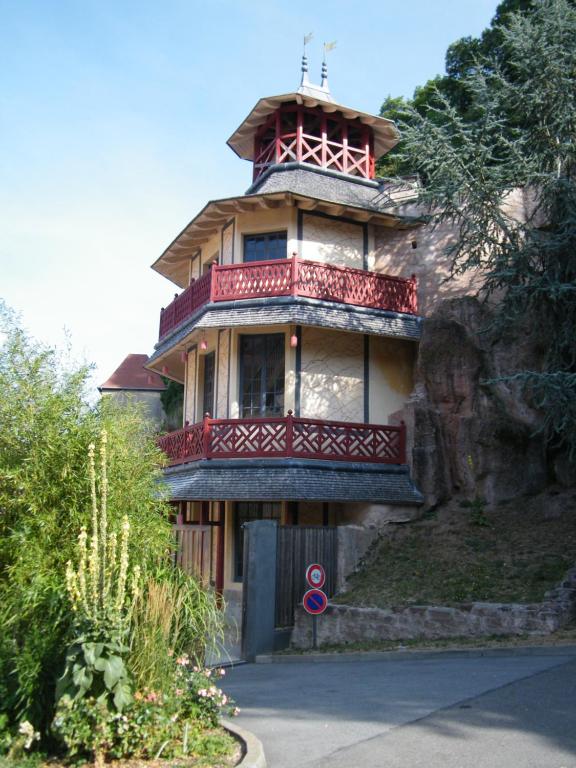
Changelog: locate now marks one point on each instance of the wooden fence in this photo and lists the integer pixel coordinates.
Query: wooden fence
(298, 547)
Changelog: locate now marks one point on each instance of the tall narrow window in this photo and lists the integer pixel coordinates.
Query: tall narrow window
(262, 375)
(208, 390)
(265, 247)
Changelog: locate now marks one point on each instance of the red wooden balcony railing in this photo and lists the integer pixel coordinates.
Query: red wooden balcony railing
(292, 277)
(286, 436)
(296, 134)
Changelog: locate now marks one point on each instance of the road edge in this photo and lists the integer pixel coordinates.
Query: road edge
(254, 756)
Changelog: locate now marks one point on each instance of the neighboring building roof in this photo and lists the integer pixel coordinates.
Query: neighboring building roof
(131, 374)
(291, 480)
(386, 134)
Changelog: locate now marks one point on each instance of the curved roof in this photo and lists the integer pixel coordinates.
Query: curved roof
(386, 134)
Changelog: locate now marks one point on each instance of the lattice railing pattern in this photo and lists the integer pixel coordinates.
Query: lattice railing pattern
(196, 295)
(244, 281)
(237, 438)
(355, 286)
(284, 437)
(315, 439)
(184, 444)
(283, 277)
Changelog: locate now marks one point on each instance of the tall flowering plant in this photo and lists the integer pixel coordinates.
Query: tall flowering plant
(102, 590)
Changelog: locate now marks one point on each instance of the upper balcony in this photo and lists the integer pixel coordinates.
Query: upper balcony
(286, 437)
(291, 277)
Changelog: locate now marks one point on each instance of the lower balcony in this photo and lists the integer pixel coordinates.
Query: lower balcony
(286, 437)
(291, 277)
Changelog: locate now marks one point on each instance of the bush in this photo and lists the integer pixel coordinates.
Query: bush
(174, 722)
(47, 424)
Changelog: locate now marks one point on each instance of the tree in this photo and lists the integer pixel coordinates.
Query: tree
(46, 428)
(464, 58)
(515, 144)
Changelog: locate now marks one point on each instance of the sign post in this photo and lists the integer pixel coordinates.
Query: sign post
(315, 601)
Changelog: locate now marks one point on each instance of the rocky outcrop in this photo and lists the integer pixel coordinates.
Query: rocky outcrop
(468, 436)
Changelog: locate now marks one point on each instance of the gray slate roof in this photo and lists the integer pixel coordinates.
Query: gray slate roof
(375, 195)
(296, 310)
(291, 480)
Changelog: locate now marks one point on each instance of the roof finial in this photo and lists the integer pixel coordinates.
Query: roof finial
(327, 47)
(305, 80)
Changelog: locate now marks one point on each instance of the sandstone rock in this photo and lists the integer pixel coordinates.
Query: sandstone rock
(453, 415)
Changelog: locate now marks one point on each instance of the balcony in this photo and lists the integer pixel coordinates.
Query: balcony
(291, 277)
(285, 437)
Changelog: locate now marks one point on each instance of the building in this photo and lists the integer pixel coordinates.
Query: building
(295, 333)
(131, 382)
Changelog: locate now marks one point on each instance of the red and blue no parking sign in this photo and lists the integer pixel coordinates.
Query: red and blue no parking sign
(315, 601)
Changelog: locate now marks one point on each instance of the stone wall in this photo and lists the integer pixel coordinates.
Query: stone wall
(342, 624)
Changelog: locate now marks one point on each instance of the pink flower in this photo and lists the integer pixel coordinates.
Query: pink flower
(182, 661)
(235, 711)
(179, 691)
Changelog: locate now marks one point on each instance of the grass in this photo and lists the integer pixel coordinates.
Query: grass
(521, 550)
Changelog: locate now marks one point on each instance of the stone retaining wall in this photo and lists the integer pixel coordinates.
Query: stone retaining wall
(343, 624)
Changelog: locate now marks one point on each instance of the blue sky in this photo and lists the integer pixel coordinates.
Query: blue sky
(113, 122)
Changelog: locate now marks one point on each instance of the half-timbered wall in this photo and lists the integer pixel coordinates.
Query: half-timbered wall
(391, 376)
(332, 375)
(223, 362)
(332, 241)
(191, 386)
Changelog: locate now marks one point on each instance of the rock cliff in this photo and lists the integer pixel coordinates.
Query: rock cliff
(468, 436)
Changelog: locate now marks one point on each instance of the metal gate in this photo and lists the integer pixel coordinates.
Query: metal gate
(297, 547)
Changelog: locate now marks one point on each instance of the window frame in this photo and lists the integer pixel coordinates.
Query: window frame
(265, 234)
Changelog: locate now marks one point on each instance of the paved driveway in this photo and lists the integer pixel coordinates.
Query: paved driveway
(444, 711)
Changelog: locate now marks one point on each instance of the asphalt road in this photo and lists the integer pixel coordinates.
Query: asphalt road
(443, 711)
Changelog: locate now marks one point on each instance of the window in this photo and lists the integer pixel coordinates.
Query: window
(268, 245)
(262, 375)
(244, 513)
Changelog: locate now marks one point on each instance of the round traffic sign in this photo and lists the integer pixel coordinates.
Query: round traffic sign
(315, 576)
(315, 601)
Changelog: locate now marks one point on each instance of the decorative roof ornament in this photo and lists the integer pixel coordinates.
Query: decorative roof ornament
(320, 92)
(305, 80)
(327, 47)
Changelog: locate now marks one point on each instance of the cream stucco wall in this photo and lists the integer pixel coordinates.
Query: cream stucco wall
(391, 376)
(332, 241)
(274, 220)
(190, 386)
(332, 375)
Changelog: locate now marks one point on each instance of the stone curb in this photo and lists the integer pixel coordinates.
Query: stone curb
(254, 756)
(347, 656)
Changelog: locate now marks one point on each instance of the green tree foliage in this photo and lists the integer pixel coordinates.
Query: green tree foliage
(46, 426)
(464, 58)
(515, 146)
(172, 399)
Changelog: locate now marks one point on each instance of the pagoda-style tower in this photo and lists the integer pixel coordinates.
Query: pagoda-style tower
(295, 348)
(309, 127)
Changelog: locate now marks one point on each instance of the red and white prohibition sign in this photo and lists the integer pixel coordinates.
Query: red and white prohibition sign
(315, 576)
